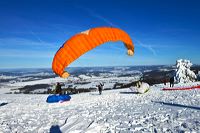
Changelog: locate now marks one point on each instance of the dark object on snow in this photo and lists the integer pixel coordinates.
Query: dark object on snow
(55, 129)
(100, 88)
(57, 98)
(177, 105)
(171, 82)
(129, 93)
(2, 104)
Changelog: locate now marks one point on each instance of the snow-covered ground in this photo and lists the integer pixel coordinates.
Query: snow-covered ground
(113, 111)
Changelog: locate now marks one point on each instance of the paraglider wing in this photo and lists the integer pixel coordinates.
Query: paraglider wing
(85, 41)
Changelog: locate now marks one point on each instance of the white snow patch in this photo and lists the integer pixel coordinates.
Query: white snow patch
(113, 111)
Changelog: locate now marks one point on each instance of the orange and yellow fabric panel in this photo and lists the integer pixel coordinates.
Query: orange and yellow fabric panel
(85, 41)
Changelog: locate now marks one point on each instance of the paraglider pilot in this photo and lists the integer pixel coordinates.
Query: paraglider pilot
(58, 89)
(100, 88)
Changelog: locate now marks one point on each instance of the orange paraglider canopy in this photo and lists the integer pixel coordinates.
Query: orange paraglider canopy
(82, 42)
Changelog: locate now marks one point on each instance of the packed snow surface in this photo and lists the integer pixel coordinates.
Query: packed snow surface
(114, 111)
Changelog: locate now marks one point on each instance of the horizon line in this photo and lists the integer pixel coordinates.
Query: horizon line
(94, 66)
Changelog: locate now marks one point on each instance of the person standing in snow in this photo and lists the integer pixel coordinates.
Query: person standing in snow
(165, 81)
(58, 89)
(171, 82)
(138, 84)
(100, 88)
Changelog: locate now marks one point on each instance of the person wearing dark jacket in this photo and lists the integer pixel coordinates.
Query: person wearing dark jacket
(171, 82)
(58, 89)
(165, 81)
(100, 88)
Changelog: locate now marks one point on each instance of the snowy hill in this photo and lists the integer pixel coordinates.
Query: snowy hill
(113, 111)
(12, 80)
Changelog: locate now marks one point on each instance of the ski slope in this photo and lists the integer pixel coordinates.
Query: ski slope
(114, 111)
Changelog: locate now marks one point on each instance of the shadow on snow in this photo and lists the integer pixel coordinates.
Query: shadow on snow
(129, 93)
(2, 104)
(55, 129)
(177, 105)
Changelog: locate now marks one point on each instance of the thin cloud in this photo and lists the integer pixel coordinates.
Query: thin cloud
(36, 36)
(148, 47)
(24, 42)
(18, 53)
(25, 48)
(102, 18)
(96, 15)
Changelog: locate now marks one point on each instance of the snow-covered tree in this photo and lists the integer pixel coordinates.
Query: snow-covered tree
(198, 76)
(183, 72)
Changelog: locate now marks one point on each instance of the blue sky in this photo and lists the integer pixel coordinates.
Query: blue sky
(163, 31)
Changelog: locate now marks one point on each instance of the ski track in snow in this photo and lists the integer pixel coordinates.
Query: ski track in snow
(113, 111)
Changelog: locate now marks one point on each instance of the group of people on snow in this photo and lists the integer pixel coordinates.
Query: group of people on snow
(139, 87)
(171, 81)
(58, 88)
